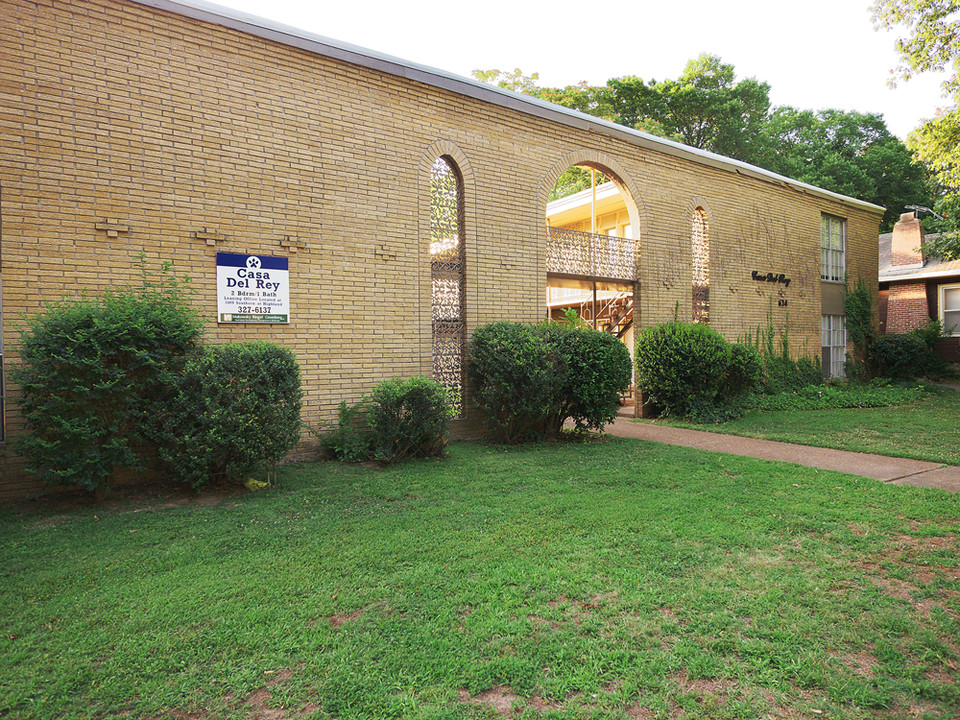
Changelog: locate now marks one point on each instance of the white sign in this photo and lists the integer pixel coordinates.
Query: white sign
(252, 289)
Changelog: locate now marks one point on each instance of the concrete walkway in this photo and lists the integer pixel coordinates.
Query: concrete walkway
(896, 471)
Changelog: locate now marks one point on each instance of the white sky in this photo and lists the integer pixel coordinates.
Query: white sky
(814, 54)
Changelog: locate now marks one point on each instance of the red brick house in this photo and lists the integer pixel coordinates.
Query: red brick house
(915, 288)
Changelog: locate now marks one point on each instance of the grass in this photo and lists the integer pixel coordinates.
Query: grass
(615, 579)
(922, 430)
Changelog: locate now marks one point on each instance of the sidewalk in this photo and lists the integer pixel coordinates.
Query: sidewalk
(896, 471)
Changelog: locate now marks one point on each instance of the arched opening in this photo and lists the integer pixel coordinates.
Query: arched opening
(700, 251)
(592, 253)
(447, 275)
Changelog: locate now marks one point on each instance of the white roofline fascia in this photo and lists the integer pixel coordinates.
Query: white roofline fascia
(581, 197)
(328, 47)
(887, 277)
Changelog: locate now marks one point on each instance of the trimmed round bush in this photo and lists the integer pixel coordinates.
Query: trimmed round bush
(515, 380)
(409, 418)
(529, 380)
(595, 370)
(236, 407)
(681, 366)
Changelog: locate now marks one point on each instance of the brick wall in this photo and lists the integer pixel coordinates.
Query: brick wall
(190, 138)
(907, 307)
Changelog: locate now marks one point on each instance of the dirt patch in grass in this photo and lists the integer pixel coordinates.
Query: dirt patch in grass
(939, 676)
(705, 688)
(256, 706)
(861, 663)
(338, 620)
(576, 610)
(500, 699)
(542, 621)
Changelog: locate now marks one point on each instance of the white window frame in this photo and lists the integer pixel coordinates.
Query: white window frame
(833, 248)
(953, 328)
(833, 337)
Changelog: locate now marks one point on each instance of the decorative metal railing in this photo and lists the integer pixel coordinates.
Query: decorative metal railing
(572, 252)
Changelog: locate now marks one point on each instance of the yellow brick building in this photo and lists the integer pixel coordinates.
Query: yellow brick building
(182, 130)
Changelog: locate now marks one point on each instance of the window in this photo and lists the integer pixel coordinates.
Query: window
(447, 277)
(949, 304)
(833, 248)
(700, 244)
(833, 339)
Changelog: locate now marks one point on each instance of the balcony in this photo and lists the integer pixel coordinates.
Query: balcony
(588, 255)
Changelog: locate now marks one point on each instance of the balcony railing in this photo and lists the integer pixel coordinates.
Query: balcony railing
(571, 252)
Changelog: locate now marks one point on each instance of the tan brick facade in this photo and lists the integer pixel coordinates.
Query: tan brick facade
(128, 129)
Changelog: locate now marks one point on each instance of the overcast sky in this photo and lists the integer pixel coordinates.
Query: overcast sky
(814, 54)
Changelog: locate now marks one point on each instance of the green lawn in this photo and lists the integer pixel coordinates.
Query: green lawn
(924, 430)
(614, 579)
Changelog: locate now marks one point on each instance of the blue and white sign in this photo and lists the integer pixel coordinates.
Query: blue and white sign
(252, 289)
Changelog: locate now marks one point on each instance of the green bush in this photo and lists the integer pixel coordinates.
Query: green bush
(529, 380)
(931, 333)
(593, 369)
(409, 418)
(781, 373)
(902, 356)
(92, 369)
(681, 366)
(236, 407)
(744, 374)
(516, 380)
(351, 439)
(784, 374)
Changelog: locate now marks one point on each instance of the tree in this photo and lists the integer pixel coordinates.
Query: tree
(515, 80)
(847, 152)
(705, 107)
(932, 43)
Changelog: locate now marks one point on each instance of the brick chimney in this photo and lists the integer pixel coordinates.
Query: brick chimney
(905, 247)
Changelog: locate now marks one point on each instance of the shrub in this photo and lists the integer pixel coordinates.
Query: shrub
(784, 374)
(744, 374)
(409, 418)
(781, 373)
(681, 366)
(516, 380)
(236, 407)
(92, 369)
(400, 419)
(352, 438)
(529, 380)
(902, 356)
(594, 370)
(931, 333)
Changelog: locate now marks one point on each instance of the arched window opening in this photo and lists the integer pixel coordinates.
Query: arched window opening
(701, 267)
(447, 276)
(591, 254)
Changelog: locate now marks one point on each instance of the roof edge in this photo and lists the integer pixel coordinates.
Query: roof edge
(328, 47)
(885, 276)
